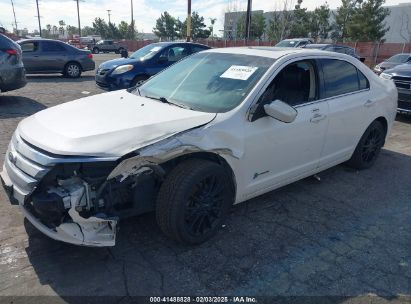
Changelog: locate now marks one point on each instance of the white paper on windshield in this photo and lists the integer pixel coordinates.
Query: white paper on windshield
(155, 49)
(240, 72)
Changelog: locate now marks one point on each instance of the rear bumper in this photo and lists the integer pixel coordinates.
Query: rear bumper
(12, 79)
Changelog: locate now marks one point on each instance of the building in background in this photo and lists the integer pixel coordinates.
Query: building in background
(399, 23)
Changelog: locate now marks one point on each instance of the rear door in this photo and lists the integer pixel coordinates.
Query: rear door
(31, 56)
(351, 105)
(53, 56)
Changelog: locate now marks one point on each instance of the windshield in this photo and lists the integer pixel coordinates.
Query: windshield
(208, 82)
(287, 43)
(147, 52)
(399, 58)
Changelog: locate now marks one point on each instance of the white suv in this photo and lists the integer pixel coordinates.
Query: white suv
(216, 129)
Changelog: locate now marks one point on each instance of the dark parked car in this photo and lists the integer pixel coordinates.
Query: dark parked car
(12, 74)
(335, 48)
(123, 73)
(107, 46)
(401, 75)
(295, 42)
(392, 62)
(41, 56)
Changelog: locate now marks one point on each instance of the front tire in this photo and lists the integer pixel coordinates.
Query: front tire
(194, 200)
(369, 147)
(96, 50)
(138, 80)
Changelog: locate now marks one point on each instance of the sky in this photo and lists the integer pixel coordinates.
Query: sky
(145, 11)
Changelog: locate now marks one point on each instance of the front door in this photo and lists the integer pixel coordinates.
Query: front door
(53, 56)
(277, 152)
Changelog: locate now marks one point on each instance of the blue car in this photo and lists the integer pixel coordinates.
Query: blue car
(123, 73)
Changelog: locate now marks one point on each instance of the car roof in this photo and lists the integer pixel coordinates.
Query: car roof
(296, 39)
(270, 52)
(38, 39)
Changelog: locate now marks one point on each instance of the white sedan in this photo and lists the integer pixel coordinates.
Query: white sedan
(218, 128)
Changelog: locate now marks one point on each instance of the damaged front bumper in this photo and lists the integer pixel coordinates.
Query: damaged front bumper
(22, 170)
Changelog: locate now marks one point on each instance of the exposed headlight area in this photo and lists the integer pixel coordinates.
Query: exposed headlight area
(386, 76)
(78, 202)
(122, 69)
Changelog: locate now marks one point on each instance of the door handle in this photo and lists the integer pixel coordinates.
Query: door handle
(369, 103)
(317, 118)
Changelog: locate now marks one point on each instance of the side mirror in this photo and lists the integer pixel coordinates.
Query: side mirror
(280, 111)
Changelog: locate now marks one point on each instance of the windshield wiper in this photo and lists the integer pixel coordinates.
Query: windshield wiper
(165, 100)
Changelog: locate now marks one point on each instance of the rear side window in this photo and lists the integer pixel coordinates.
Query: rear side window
(341, 77)
(197, 48)
(51, 46)
(29, 47)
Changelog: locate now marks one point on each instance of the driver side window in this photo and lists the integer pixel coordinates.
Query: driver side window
(295, 84)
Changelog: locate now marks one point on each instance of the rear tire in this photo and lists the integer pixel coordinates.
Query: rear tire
(369, 147)
(193, 201)
(72, 70)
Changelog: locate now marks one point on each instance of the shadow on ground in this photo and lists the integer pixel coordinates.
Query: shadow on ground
(346, 235)
(404, 118)
(57, 78)
(18, 106)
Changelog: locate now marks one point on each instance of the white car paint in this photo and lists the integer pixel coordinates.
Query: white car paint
(263, 155)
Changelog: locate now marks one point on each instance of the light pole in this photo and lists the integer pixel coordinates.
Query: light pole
(38, 16)
(78, 18)
(248, 20)
(188, 20)
(14, 13)
(132, 20)
(108, 12)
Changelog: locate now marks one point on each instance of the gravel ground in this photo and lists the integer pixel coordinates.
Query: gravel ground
(347, 235)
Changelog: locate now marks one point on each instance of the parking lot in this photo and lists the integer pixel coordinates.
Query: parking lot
(348, 234)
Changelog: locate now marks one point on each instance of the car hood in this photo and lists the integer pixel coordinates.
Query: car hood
(400, 70)
(107, 125)
(117, 62)
(388, 65)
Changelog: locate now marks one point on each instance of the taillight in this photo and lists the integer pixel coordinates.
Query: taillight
(90, 56)
(11, 52)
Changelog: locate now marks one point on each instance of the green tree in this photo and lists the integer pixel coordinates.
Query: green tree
(301, 21)
(342, 18)
(165, 27)
(100, 27)
(367, 22)
(257, 27)
(61, 28)
(198, 28)
(71, 30)
(319, 22)
(87, 31)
